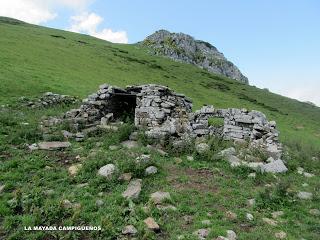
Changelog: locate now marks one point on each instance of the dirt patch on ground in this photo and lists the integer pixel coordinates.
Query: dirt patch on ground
(61, 157)
(197, 179)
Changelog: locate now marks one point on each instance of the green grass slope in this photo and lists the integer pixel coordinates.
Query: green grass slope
(36, 59)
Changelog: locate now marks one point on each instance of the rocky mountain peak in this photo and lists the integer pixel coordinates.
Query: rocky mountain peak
(183, 47)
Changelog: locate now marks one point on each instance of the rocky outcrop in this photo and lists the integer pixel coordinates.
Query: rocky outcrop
(184, 48)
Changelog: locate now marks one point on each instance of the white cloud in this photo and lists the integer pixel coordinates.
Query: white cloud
(304, 94)
(37, 11)
(88, 23)
(30, 11)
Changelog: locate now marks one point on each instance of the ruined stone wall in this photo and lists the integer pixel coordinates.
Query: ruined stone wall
(162, 111)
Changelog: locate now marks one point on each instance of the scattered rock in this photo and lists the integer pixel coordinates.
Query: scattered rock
(166, 207)
(277, 214)
(274, 167)
(308, 175)
(133, 190)
(151, 224)
(252, 175)
(107, 170)
(231, 215)
(315, 212)
(251, 202)
(151, 170)
(48, 192)
(2, 186)
(74, 169)
(143, 159)
(249, 216)
(234, 161)
(206, 222)
(190, 158)
(33, 147)
(129, 230)
(133, 136)
(67, 204)
(231, 235)
(228, 152)
(113, 147)
(221, 238)
(305, 195)
(202, 148)
(188, 219)
(178, 160)
(53, 145)
(159, 197)
(130, 144)
(81, 185)
(125, 177)
(280, 235)
(270, 221)
(99, 203)
(202, 233)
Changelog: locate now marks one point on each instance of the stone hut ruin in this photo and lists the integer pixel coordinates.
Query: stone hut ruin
(163, 113)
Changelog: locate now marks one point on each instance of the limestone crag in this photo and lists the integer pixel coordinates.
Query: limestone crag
(184, 48)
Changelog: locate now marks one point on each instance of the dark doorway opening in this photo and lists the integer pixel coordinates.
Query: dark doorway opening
(123, 105)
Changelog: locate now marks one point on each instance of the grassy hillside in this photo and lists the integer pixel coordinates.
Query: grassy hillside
(34, 185)
(35, 59)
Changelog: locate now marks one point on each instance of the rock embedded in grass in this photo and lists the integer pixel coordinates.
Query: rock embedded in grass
(231, 215)
(99, 202)
(159, 197)
(305, 195)
(152, 224)
(315, 212)
(202, 148)
(74, 169)
(277, 214)
(280, 235)
(2, 186)
(276, 166)
(125, 177)
(53, 145)
(129, 230)
(151, 170)
(231, 235)
(249, 217)
(107, 170)
(202, 233)
(270, 221)
(133, 190)
(130, 144)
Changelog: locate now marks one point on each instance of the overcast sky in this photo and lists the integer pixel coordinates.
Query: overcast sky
(276, 44)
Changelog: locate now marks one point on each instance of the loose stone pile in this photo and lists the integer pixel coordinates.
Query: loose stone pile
(239, 124)
(49, 99)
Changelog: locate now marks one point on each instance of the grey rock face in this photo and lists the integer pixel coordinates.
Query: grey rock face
(184, 48)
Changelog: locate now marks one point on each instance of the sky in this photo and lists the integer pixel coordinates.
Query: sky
(276, 44)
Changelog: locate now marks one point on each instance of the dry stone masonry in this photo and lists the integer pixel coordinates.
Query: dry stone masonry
(164, 113)
(49, 99)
